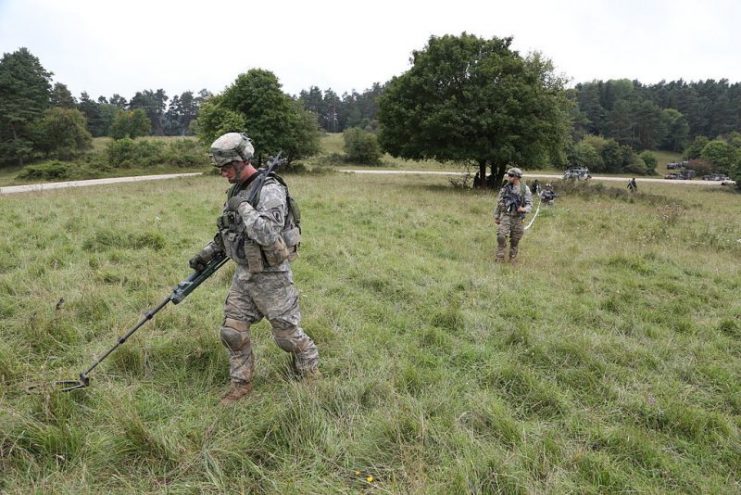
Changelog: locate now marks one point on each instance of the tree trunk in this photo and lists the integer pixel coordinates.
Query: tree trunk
(497, 173)
(481, 182)
(15, 142)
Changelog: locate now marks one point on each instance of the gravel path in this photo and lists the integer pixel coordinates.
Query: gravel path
(83, 183)
(117, 180)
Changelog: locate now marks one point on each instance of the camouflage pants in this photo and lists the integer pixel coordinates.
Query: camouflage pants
(512, 226)
(271, 295)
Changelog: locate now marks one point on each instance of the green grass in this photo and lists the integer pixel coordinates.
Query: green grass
(606, 362)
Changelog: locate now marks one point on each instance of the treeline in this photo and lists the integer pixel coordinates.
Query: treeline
(335, 113)
(165, 116)
(38, 120)
(666, 116)
(609, 121)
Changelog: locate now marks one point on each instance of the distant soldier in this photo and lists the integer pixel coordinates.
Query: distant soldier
(514, 201)
(548, 195)
(535, 187)
(632, 185)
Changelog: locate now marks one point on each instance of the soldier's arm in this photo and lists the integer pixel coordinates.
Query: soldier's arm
(264, 223)
(499, 207)
(528, 200)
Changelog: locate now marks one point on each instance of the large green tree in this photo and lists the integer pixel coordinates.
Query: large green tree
(255, 104)
(62, 133)
(472, 99)
(25, 89)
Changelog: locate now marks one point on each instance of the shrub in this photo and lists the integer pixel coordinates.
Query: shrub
(649, 159)
(47, 171)
(701, 167)
(361, 147)
(186, 153)
(126, 152)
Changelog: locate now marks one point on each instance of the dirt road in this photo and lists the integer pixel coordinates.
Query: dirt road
(83, 183)
(117, 180)
(545, 176)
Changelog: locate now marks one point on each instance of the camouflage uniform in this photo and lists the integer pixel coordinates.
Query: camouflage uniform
(262, 285)
(510, 220)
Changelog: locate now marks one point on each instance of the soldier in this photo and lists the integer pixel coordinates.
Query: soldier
(632, 185)
(514, 201)
(261, 240)
(548, 195)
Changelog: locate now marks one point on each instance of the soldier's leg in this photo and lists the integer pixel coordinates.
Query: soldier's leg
(518, 230)
(239, 313)
(502, 232)
(277, 298)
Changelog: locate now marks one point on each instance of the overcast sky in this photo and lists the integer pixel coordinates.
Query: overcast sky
(105, 47)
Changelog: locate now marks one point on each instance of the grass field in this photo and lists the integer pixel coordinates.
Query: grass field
(606, 362)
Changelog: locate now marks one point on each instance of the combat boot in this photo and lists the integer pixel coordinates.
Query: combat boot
(236, 392)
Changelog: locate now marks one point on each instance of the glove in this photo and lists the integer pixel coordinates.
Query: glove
(198, 262)
(234, 203)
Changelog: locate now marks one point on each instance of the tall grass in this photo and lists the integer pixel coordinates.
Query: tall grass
(606, 362)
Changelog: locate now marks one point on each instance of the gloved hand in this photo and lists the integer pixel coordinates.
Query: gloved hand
(198, 262)
(234, 203)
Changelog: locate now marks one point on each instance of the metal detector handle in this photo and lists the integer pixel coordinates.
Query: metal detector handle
(197, 278)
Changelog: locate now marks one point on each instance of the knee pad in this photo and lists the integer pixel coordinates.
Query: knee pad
(235, 334)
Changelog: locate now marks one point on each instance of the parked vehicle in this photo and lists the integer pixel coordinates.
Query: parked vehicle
(578, 173)
(717, 177)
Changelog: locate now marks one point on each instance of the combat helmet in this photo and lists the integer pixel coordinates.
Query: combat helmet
(230, 147)
(514, 171)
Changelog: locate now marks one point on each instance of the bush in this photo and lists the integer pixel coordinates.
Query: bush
(187, 153)
(57, 170)
(126, 153)
(650, 160)
(638, 167)
(361, 147)
(62, 133)
(47, 171)
(701, 167)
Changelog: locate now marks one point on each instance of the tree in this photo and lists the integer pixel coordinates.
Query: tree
(472, 99)
(584, 154)
(153, 103)
(182, 110)
(256, 105)
(361, 146)
(61, 97)
(694, 150)
(62, 133)
(677, 130)
(91, 109)
(214, 120)
(25, 88)
(130, 124)
(720, 154)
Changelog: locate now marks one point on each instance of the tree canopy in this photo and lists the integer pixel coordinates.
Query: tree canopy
(472, 99)
(25, 90)
(256, 105)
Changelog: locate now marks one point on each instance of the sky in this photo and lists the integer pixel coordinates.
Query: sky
(105, 47)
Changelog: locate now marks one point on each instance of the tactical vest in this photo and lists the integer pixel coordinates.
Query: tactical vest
(244, 250)
(511, 200)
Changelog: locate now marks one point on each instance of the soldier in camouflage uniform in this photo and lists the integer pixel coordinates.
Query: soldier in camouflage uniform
(261, 240)
(514, 201)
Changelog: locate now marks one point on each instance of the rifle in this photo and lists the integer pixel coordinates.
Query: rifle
(180, 292)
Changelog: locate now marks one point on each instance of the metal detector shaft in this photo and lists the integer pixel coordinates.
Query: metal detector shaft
(147, 316)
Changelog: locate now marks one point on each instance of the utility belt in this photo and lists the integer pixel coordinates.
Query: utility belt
(245, 251)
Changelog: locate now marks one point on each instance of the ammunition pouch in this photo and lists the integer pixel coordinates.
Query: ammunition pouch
(292, 239)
